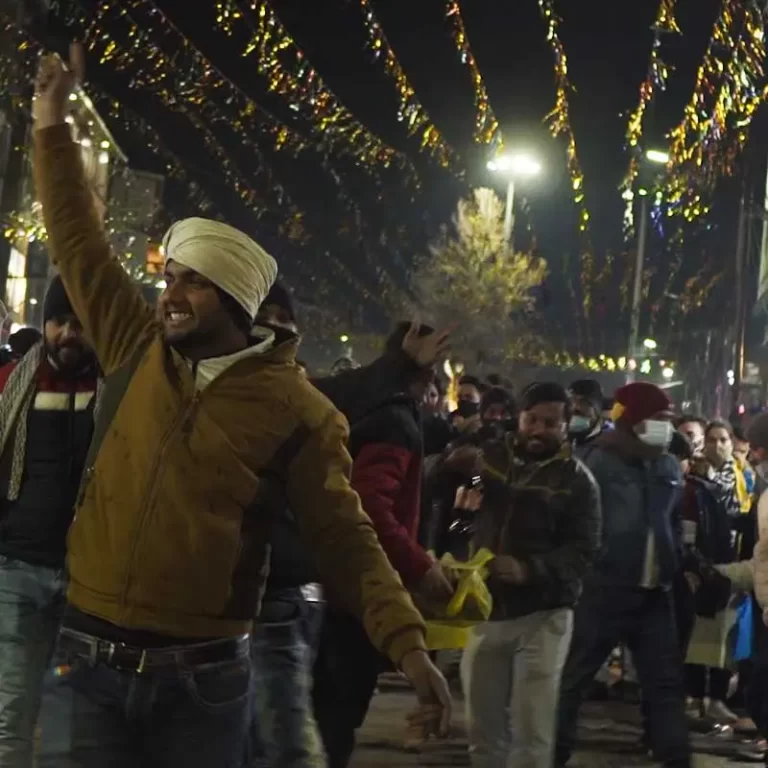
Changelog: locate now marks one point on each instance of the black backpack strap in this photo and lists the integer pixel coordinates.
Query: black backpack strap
(109, 395)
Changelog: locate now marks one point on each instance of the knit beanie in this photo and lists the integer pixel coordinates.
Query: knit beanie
(227, 257)
(590, 390)
(279, 296)
(757, 432)
(639, 401)
(56, 303)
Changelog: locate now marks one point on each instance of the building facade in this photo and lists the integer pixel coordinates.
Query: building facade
(29, 269)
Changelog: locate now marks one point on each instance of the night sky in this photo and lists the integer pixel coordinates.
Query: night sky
(608, 44)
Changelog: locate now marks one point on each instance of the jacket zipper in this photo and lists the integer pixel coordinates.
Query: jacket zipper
(505, 525)
(185, 420)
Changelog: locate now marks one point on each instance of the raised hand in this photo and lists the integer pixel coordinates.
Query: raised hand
(424, 350)
(54, 83)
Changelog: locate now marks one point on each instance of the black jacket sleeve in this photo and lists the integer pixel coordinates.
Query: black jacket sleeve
(356, 393)
(580, 537)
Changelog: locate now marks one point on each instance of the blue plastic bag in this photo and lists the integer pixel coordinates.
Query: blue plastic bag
(743, 630)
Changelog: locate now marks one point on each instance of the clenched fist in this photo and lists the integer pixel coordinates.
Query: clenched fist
(54, 83)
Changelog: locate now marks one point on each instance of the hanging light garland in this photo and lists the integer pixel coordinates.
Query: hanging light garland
(655, 81)
(289, 73)
(410, 111)
(559, 122)
(29, 227)
(187, 84)
(730, 85)
(487, 129)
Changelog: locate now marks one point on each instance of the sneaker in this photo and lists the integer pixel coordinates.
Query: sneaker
(720, 713)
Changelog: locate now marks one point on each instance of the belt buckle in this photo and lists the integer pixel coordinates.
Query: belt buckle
(113, 647)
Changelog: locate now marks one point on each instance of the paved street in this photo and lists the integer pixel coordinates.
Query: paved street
(608, 735)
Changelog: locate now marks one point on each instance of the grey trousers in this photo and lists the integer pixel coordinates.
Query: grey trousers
(511, 677)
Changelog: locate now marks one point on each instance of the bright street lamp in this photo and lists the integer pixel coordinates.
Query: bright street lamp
(668, 373)
(513, 166)
(657, 156)
(650, 344)
(343, 338)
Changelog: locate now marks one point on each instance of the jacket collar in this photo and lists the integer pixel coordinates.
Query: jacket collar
(265, 346)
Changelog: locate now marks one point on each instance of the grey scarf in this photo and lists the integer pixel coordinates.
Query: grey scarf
(15, 402)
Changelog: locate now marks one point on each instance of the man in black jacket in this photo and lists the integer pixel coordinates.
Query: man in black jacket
(627, 595)
(286, 636)
(541, 518)
(46, 422)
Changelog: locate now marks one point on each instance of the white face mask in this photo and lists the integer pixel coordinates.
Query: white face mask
(578, 425)
(657, 434)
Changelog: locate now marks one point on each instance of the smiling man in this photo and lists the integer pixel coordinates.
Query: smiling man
(203, 434)
(540, 517)
(45, 428)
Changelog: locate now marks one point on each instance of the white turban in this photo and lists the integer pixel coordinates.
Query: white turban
(225, 256)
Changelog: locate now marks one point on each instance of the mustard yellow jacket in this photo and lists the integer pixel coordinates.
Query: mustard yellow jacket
(188, 471)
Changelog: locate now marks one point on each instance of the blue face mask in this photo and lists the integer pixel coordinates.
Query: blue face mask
(578, 425)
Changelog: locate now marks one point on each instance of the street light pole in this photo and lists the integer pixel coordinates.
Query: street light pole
(637, 286)
(509, 213)
(514, 166)
(657, 157)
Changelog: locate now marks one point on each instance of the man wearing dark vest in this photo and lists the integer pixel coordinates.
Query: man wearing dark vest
(45, 428)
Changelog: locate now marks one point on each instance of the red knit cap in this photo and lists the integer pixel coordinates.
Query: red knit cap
(639, 401)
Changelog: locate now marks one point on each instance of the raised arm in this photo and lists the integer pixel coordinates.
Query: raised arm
(355, 393)
(116, 320)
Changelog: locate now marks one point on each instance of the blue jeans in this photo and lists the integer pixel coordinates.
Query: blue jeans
(283, 732)
(94, 716)
(31, 604)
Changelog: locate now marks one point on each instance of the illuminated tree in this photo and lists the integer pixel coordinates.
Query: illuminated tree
(474, 277)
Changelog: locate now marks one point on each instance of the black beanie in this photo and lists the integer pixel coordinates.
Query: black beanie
(280, 297)
(57, 303)
(590, 390)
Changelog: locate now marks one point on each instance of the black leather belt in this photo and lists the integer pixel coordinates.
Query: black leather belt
(133, 659)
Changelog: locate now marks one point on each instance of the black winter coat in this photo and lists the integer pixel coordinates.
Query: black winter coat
(547, 515)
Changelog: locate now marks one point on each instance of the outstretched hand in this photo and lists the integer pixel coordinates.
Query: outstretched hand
(433, 712)
(424, 350)
(54, 83)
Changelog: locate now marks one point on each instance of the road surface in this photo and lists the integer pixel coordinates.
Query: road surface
(608, 733)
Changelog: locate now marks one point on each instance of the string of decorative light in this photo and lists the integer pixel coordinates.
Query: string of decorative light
(410, 111)
(289, 73)
(655, 81)
(487, 130)
(730, 85)
(559, 123)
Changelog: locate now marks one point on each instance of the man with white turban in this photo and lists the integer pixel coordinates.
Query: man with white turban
(203, 433)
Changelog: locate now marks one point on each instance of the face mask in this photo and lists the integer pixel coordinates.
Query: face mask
(467, 409)
(578, 425)
(657, 434)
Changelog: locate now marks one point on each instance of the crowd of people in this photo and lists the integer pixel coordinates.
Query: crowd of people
(207, 558)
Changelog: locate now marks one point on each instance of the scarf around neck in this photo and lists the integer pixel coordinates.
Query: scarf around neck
(15, 402)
